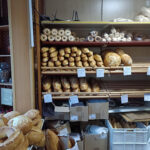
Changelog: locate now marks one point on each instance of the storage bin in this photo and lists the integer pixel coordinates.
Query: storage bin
(128, 138)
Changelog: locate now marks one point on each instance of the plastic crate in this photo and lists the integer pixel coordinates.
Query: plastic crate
(128, 138)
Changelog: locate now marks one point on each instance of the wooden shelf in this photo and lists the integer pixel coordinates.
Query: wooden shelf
(137, 68)
(4, 27)
(97, 44)
(6, 84)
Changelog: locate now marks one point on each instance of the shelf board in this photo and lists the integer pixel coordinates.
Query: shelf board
(5, 55)
(4, 27)
(6, 84)
(137, 68)
(129, 109)
(97, 44)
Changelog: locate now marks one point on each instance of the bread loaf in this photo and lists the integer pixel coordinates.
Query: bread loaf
(95, 86)
(58, 63)
(85, 64)
(65, 83)
(74, 83)
(93, 63)
(44, 64)
(54, 54)
(85, 50)
(83, 84)
(78, 52)
(90, 53)
(71, 59)
(79, 64)
(11, 115)
(32, 114)
(54, 59)
(61, 58)
(74, 49)
(56, 84)
(52, 49)
(73, 54)
(50, 64)
(44, 49)
(45, 59)
(98, 58)
(100, 64)
(91, 58)
(46, 84)
(67, 50)
(84, 58)
(3, 120)
(67, 55)
(65, 62)
(62, 52)
(71, 64)
(77, 58)
(45, 54)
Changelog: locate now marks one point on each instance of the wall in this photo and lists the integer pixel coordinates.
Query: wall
(90, 10)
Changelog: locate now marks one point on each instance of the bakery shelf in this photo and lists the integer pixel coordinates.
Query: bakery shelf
(97, 44)
(6, 84)
(4, 27)
(137, 68)
(129, 109)
(81, 95)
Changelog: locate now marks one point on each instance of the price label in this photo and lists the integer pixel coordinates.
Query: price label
(147, 97)
(48, 98)
(74, 118)
(73, 100)
(127, 71)
(92, 116)
(148, 71)
(124, 99)
(81, 72)
(100, 73)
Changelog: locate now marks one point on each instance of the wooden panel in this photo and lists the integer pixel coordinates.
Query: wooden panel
(22, 55)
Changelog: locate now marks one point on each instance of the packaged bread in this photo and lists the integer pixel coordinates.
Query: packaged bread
(84, 58)
(61, 58)
(50, 64)
(93, 63)
(95, 86)
(45, 59)
(56, 84)
(73, 54)
(65, 62)
(79, 64)
(54, 59)
(85, 50)
(71, 59)
(74, 83)
(54, 54)
(99, 64)
(44, 64)
(67, 55)
(45, 54)
(91, 58)
(44, 49)
(98, 57)
(125, 58)
(52, 141)
(78, 52)
(77, 58)
(67, 50)
(11, 115)
(57, 63)
(10, 138)
(46, 84)
(52, 49)
(83, 84)
(112, 59)
(21, 122)
(35, 136)
(62, 52)
(71, 64)
(85, 64)
(74, 49)
(65, 83)
(90, 53)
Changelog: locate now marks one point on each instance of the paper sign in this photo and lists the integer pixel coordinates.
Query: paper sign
(100, 73)
(124, 99)
(74, 118)
(127, 71)
(73, 100)
(147, 97)
(48, 98)
(148, 71)
(63, 132)
(92, 116)
(81, 72)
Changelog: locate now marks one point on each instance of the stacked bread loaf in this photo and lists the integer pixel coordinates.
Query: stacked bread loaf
(57, 35)
(72, 84)
(25, 129)
(72, 57)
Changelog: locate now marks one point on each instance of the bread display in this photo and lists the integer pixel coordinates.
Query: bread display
(21, 122)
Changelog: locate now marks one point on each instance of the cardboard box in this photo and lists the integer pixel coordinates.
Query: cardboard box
(98, 110)
(62, 113)
(95, 141)
(79, 113)
(80, 145)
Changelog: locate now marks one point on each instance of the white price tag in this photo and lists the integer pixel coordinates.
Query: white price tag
(124, 99)
(48, 98)
(127, 71)
(73, 100)
(100, 73)
(147, 97)
(81, 72)
(148, 71)
(92, 116)
(63, 132)
(74, 118)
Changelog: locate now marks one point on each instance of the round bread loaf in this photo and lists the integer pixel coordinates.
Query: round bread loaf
(21, 122)
(32, 114)
(11, 115)
(126, 60)
(112, 59)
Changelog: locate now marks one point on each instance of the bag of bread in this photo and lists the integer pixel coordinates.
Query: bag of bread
(74, 82)
(46, 84)
(83, 84)
(65, 83)
(95, 85)
(56, 84)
